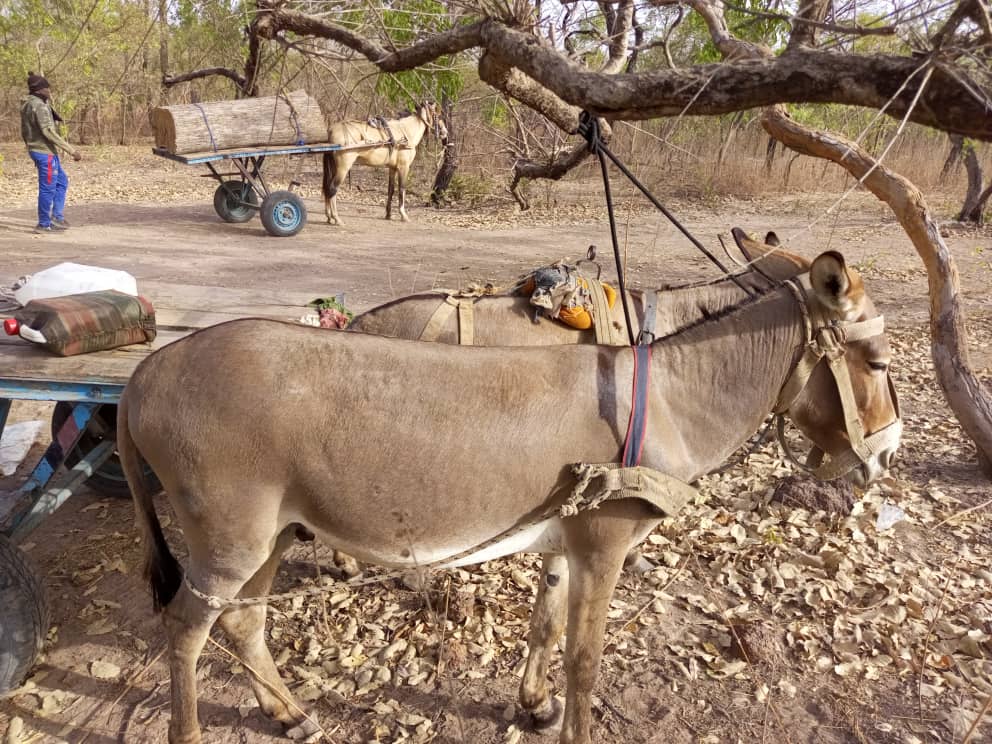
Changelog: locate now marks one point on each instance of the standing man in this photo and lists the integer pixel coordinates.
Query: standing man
(39, 133)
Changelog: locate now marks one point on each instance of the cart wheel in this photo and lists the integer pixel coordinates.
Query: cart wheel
(109, 478)
(23, 617)
(231, 200)
(283, 214)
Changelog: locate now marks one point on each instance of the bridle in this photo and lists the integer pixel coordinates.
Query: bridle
(828, 339)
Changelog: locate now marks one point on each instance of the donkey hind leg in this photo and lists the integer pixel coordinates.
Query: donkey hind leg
(389, 193)
(245, 627)
(342, 165)
(188, 620)
(547, 621)
(593, 575)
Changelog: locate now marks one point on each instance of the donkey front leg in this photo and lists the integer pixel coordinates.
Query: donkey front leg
(547, 621)
(389, 193)
(596, 547)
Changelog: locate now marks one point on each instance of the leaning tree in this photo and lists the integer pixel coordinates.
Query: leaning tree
(941, 78)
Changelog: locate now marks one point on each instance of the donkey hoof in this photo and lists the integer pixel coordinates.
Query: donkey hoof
(549, 717)
(305, 730)
(190, 737)
(637, 564)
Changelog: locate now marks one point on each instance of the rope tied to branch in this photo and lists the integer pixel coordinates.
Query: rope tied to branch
(590, 129)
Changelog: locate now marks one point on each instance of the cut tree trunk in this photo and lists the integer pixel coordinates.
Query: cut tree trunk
(968, 397)
(248, 122)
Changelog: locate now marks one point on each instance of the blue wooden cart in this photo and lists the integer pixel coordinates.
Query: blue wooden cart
(85, 390)
(244, 191)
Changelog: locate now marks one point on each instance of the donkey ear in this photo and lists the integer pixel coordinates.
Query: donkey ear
(837, 286)
(772, 239)
(747, 245)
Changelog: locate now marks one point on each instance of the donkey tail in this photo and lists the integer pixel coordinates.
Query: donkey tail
(162, 570)
(330, 170)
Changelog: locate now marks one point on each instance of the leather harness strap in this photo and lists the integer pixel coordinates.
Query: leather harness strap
(637, 425)
(466, 320)
(829, 339)
(647, 336)
(664, 492)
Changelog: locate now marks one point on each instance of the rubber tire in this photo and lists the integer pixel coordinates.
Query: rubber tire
(228, 198)
(23, 616)
(283, 214)
(109, 478)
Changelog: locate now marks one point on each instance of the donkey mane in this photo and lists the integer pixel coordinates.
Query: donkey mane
(715, 316)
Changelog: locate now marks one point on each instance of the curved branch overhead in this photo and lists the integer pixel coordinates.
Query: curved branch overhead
(750, 78)
(801, 76)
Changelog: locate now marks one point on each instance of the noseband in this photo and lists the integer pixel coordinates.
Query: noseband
(828, 339)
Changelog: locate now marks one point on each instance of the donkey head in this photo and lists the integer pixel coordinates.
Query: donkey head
(840, 394)
(429, 113)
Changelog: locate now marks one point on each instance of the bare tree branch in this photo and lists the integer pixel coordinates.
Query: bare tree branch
(554, 170)
(618, 27)
(515, 84)
(755, 78)
(951, 25)
(803, 76)
(169, 80)
(805, 25)
(847, 30)
(274, 18)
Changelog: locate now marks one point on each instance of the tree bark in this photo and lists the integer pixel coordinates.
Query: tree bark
(449, 163)
(971, 210)
(163, 37)
(968, 397)
(953, 156)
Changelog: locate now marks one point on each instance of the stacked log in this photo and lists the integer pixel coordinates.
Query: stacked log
(249, 122)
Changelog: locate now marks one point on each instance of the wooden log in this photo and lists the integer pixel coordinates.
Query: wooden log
(248, 122)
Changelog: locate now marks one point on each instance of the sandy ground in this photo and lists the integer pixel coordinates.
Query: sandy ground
(666, 677)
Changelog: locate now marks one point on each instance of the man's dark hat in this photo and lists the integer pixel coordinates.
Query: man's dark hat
(36, 82)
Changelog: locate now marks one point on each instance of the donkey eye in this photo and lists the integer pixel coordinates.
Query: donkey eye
(878, 366)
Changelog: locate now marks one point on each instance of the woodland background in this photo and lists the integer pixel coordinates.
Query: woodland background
(106, 60)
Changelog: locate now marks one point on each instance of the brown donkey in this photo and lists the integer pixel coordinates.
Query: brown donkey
(404, 135)
(451, 448)
(506, 320)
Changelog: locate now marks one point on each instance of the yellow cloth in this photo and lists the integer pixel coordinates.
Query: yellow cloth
(579, 317)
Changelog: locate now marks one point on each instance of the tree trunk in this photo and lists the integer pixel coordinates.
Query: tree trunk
(971, 210)
(449, 164)
(953, 156)
(163, 37)
(968, 397)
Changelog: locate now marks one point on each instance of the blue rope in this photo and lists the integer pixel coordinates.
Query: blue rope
(203, 113)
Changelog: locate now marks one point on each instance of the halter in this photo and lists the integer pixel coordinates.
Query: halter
(830, 340)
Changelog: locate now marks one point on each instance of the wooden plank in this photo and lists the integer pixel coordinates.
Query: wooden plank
(20, 359)
(179, 310)
(209, 156)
